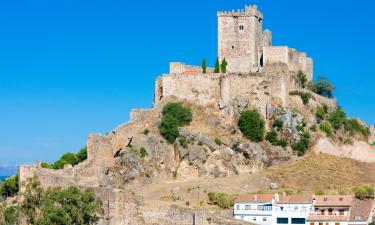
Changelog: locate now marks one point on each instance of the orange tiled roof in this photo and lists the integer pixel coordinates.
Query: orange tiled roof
(333, 200)
(361, 209)
(263, 198)
(301, 199)
(327, 218)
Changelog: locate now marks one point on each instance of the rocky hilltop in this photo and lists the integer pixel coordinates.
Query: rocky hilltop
(145, 177)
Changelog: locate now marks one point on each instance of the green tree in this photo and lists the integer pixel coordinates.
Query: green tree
(143, 153)
(204, 66)
(272, 137)
(223, 66)
(82, 154)
(251, 125)
(322, 87)
(305, 97)
(10, 186)
(175, 114)
(301, 79)
(217, 66)
(363, 191)
(353, 126)
(58, 206)
(278, 124)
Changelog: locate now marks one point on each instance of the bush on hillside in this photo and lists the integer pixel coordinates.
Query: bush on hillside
(277, 124)
(319, 191)
(326, 127)
(175, 114)
(338, 118)
(363, 191)
(302, 145)
(143, 152)
(251, 125)
(320, 113)
(305, 96)
(353, 126)
(322, 87)
(222, 200)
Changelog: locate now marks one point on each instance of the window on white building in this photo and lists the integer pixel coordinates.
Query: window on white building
(254, 219)
(247, 207)
(298, 221)
(264, 219)
(282, 220)
(237, 207)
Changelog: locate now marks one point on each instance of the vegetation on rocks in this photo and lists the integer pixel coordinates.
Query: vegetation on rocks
(217, 66)
(204, 66)
(326, 127)
(53, 206)
(301, 79)
(67, 158)
(274, 140)
(251, 125)
(302, 145)
(175, 114)
(223, 66)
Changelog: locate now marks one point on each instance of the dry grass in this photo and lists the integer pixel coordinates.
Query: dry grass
(323, 170)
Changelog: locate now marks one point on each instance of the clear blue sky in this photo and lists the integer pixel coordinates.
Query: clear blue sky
(69, 68)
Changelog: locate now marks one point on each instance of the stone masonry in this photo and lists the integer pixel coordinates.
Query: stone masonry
(247, 48)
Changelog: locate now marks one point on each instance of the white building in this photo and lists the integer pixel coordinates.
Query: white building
(273, 209)
(254, 208)
(293, 209)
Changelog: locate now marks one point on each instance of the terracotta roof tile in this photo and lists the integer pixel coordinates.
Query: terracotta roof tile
(333, 200)
(361, 209)
(263, 198)
(290, 199)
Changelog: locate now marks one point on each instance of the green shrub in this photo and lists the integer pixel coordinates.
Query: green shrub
(302, 145)
(82, 154)
(363, 191)
(282, 142)
(67, 158)
(146, 131)
(272, 137)
(222, 200)
(142, 152)
(174, 174)
(326, 127)
(277, 124)
(305, 97)
(218, 141)
(322, 87)
(320, 113)
(319, 191)
(10, 186)
(338, 118)
(46, 165)
(373, 143)
(175, 114)
(177, 110)
(251, 125)
(353, 126)
(54, 206)
(301, 79)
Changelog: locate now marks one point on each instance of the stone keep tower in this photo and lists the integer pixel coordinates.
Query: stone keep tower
(241, 39)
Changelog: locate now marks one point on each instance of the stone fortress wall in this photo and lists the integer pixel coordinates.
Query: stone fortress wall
(247, 48)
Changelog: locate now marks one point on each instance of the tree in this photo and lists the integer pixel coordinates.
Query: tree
(58, 206)
(223, 66)
(363, 191)
(204, 66)
(251, 125)
(175, 114)
(305, 96)
(10, 186)
(217, 66)
(82, 154)
(302, 145)
(322, 87)
(301, 79)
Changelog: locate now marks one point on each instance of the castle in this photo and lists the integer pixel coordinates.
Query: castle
(257, 71)
(247, 48)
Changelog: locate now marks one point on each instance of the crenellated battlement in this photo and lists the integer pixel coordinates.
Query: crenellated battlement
(251, 10)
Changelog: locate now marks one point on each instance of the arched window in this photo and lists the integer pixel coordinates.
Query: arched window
(242, 27)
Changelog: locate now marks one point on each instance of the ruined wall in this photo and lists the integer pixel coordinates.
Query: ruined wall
(239, 38)
(296, 61)
(257, 89)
